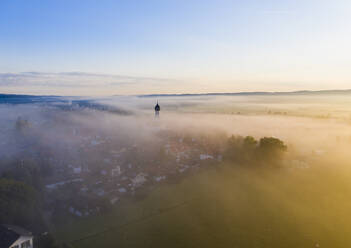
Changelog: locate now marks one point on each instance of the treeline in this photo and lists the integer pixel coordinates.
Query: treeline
(21, 198)
(266, 151)
(18, 203)
(21, 194)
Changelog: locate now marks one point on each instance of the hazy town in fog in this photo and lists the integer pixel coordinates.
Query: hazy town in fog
(175, 124)
(85, 159)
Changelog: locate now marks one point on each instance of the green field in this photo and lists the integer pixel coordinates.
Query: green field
(229, 207)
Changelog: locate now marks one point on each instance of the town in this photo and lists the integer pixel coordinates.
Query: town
(87, 170)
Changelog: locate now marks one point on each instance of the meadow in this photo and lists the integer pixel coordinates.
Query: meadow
(230, 206)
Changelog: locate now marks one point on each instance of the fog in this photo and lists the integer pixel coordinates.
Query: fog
(85, 145)
(191, 114)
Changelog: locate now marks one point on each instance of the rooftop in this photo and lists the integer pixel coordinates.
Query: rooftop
(9, 234)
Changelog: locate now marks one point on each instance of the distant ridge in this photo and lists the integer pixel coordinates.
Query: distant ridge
(23, 99)
(57, 101)
(263, 93)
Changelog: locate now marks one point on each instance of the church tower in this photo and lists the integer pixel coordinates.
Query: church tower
(157, 110)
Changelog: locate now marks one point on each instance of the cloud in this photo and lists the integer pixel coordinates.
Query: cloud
(74, 79)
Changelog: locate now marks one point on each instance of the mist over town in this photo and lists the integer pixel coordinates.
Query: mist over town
(177, 124)
(75, 160)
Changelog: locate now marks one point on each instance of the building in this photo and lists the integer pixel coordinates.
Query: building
(157, 110)
(139, 180)
(15, 237)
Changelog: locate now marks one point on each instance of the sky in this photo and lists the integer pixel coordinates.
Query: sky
(110, 47)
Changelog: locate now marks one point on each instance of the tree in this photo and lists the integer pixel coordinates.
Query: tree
(233, 148)
(25, 170)
(249, 143)
(249, 151)
(241, 149)
(17, 203)
(45, 240)
(248, 148)
(271, 149)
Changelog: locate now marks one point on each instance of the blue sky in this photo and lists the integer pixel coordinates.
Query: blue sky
(173, 46)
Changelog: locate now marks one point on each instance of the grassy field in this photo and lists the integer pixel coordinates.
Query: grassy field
(229, 207)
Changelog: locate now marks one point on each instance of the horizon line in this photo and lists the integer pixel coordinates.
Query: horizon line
(333, 91)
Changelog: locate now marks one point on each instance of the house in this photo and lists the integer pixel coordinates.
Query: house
(139, 180)
(205, 156)
(77, 170)
(116, 171)
(56, 185)
(15, 237)
(114, 200)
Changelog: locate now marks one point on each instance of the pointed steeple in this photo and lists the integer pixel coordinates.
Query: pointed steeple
(157, 109)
